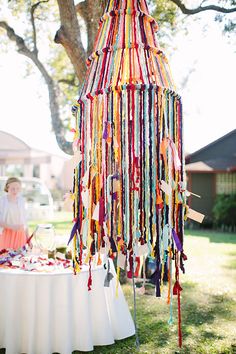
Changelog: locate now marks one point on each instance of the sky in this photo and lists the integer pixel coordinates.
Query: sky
(205, 58)
(24, 108)
(209, 96)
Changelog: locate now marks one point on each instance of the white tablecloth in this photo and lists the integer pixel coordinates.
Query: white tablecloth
(45, 313)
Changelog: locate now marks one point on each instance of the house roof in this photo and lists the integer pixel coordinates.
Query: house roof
(215, 142)
(14, 150)
(220, 165)
(218, 156)
(199, 166)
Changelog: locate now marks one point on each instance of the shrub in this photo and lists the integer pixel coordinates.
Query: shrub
(224, 210)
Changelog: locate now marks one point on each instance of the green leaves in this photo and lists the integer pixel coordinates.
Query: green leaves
(224, 211)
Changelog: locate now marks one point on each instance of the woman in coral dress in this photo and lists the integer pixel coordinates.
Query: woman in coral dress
(13, 227)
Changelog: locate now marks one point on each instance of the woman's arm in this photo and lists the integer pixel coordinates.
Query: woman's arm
(23, 218)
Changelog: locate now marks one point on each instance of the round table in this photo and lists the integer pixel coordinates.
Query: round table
(42, 313)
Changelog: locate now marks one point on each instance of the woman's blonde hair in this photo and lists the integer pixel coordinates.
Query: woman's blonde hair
(9, 181)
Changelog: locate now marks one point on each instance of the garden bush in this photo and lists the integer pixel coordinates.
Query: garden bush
(224, 211)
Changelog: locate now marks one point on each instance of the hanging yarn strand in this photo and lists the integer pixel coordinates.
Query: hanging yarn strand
(135, 312)
(128, 194)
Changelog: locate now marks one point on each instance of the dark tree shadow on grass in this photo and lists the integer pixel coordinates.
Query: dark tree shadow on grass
(197, 314)
(215, 306)
(194, 314)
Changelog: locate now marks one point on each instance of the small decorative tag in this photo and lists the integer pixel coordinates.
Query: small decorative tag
(142, 250)
(195, 215)
(76, 158)
(121, 259)
(165, 187)
(96, 213)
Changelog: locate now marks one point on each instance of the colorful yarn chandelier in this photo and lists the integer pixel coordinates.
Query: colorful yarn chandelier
(129, 185)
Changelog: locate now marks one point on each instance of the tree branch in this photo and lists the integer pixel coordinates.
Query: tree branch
(32, 11)
(200, 8)
(20, 43)
(80, 7)
(91, 15)
(69, 36)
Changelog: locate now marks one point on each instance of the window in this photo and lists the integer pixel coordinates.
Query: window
(36, 171)
(14, 170)
(225, 183)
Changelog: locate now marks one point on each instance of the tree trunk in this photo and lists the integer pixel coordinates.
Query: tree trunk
(69, 35)
(91, 15)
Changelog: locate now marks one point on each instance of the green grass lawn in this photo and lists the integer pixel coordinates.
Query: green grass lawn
(208, 300)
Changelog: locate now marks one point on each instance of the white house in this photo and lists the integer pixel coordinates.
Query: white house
(18, 158)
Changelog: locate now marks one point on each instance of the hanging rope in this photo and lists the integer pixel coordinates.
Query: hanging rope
(135, 311)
